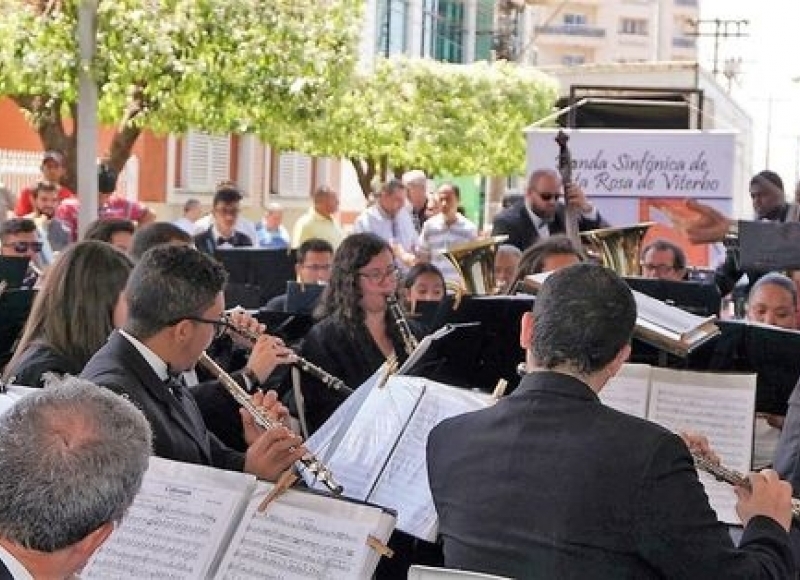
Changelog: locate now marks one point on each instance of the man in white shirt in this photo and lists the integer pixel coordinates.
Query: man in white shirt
(72, 458)
(192, 211)
(446, 229)
(390, 219)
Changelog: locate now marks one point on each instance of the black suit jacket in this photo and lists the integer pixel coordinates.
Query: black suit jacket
(4, 573)
(39, 359)
(206, 243)
(551, 484)
(516, 223)
(179, 432)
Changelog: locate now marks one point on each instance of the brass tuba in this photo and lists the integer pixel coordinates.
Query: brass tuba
(474, 262)
(620, 248)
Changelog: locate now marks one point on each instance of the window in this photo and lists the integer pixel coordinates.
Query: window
(294, 175)
(573, 59)
(449, 32)
(575, 20)
(637, 26)
(392, 21)
(206, 161)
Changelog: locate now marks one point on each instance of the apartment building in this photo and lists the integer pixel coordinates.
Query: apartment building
(611, 31)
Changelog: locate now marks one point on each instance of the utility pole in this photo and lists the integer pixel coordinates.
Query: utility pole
(719, 29)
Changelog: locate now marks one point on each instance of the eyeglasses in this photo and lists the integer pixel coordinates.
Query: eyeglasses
(318, 267)
(378, 277)
(220, 325)
(23, 247)
(549, 195)
(657, 268)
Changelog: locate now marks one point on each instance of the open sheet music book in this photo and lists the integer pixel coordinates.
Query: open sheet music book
(719, 406)
(375, 446)
(660, 324)
(191, 521)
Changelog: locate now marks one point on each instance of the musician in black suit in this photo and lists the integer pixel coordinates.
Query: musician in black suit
(72, 458)
(550, 483)
(541, 214)
(175, 305)
(222, 233)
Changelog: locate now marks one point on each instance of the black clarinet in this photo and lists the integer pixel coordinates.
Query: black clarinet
(399, 316)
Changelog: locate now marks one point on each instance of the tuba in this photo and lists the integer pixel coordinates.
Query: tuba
(619, 249)
(474, 262)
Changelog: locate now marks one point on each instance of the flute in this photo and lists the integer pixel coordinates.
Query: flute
(733, 477)
(309, 461)
(327, 379)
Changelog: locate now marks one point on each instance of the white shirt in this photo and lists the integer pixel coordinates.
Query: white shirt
(243, 225)
(187, 226)
(397, 230)
(437, 237)
(18, 571)
(156, 363)
(543, 227)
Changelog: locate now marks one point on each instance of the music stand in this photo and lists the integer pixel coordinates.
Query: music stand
(15, 305)
(302, 298)
(476, 356)
(255, 274)
(698, 298)
(13, 270)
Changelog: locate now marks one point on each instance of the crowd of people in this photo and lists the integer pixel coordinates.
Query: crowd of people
(547, 483)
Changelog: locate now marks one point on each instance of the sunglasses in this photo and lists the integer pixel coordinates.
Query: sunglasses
(549, 196)
(23, 247)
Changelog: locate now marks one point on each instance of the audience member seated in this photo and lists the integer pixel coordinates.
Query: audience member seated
(314, 263)
(270, 231)
(115, 231)
(53, 233)
(223, 233)
(155, 234)
(773, 301)
(53, 169)
(318, 221)
(546, 255)
(18, 238)
(72, 459)
(78, 306)
(664, 260)
(506, 261)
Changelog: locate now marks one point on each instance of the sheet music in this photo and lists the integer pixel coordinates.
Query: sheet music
(722, 408)
(629, 390)
(302, 536)
(364, 449)
(403, 484)
(175, 525)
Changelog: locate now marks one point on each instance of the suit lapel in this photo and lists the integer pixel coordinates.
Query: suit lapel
(184, 413)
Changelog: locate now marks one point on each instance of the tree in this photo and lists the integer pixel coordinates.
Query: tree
(171, 65)
(441, 117)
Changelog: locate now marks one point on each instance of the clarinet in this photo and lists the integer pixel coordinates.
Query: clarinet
(309, 461)
(399, 317)
(327, 379)
(733, 477)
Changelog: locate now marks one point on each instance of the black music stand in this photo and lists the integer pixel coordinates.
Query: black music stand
(698, 298)
(476, 356)
(290, 326)
(255, 274)
(15, 305)
(13, 270)
(302, 298)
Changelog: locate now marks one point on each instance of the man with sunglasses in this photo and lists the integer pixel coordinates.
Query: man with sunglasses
(541, 213)
(19, 239)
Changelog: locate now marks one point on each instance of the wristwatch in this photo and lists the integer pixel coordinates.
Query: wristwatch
(731, 239)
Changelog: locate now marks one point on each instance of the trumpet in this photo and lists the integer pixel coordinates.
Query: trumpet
(327, 379)
(309, 461)
(733, 477)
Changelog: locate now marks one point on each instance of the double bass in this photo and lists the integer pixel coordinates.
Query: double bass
(571, 213)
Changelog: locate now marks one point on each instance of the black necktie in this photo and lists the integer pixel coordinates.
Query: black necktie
(174, 382)
(221, 240)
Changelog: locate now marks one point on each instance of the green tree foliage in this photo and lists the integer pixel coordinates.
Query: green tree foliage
(171, 65)
(444, 118)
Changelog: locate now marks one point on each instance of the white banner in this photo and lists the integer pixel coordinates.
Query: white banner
(637, 163)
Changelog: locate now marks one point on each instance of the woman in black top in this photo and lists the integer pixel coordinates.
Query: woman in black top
(77, 307)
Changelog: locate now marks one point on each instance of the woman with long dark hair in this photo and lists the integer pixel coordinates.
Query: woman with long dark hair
(78, 306)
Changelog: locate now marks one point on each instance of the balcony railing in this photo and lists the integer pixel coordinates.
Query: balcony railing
(573, 30)
(683, 42)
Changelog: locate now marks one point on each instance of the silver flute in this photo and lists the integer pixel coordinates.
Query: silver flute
(733, 477)
(327, 379)
(308, 461)
(399, 316)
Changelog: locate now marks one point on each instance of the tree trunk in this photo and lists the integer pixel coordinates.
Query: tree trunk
(366, 168)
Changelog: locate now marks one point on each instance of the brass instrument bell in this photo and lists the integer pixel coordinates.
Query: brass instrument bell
(474, 262)
(619, 248)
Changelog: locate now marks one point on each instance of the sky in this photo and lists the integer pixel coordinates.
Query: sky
(769, 62)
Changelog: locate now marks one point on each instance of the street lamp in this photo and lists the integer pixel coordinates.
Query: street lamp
(86, 132)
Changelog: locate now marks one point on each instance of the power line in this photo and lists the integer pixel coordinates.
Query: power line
(722, 29)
